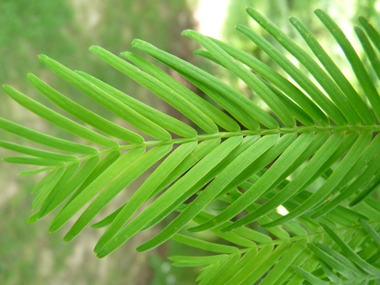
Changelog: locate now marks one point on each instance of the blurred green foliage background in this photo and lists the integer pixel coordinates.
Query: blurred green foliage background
(64, 29)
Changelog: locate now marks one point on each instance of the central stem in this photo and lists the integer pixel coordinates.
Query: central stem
(261, 132)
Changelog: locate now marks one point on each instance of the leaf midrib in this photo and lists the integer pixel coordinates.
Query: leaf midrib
(293, 239)
(261, 132)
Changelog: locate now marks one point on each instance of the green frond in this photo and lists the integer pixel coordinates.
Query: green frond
(315, 154)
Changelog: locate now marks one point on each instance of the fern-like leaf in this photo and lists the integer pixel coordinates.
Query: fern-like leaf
(233, 153)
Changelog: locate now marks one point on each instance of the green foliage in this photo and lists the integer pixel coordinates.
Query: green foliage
(239, 156)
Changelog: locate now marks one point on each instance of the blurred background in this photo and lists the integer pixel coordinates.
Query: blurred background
(64, 29)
